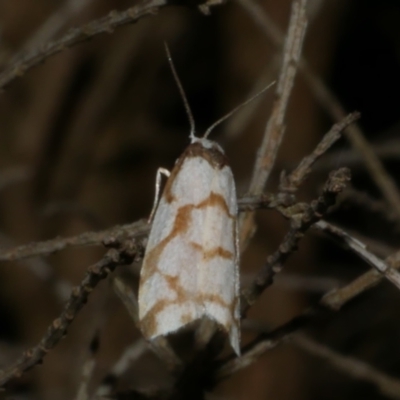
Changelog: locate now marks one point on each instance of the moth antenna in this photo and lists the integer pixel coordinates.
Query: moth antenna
(230, 113)
(182, 93)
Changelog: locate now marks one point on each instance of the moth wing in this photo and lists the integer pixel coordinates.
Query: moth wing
(168, 283)
(218, 271)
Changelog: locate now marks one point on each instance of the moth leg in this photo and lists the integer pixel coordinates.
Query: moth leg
(160, 171)
(128, 298)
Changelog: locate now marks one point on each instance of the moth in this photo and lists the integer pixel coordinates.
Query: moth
(190, 271)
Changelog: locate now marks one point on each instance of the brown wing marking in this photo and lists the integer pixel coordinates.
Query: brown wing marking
(182, 222)
(149, 321)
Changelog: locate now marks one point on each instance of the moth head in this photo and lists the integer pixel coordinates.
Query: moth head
(207, 144)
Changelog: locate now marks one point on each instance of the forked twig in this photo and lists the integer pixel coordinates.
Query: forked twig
(300, 223)
(56, 331)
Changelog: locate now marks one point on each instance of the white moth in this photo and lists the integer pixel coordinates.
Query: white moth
(190, 271)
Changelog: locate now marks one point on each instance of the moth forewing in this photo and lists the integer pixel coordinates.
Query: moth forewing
(190, 269)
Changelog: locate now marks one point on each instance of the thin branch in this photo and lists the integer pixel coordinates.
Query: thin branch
(54, 23)
(275, 128)
(292, 182)
(300, 223)
(119, 232)
(47, 247)
(261, 344)
(331, 104)
(107, 24)
(79, 296)
(332, 301)
(351, 366)
(335, 299)
(361, 250)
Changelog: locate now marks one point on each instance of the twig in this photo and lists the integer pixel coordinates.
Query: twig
(88, 369)
(79, 296)
(382, 250)
(331, 301)
(292, 182)
(300, 223)
(75, 36)
(119, 232)
(336, 298)
(361, 250)
(47, 247)
(262, 343)
(54, 23)
(328, 100)
(351, 366)
(275, 128)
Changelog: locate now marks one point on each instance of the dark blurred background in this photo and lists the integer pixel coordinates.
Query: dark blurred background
(81, 138)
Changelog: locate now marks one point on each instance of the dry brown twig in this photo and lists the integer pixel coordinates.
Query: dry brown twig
(121, 255)
(132, 230)
(275, 128)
